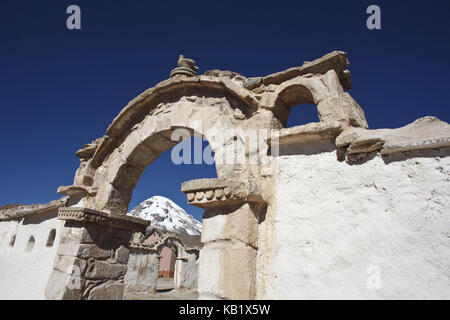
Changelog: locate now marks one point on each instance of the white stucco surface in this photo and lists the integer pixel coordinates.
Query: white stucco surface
(24, 273)
(187, 271)
(374, 230)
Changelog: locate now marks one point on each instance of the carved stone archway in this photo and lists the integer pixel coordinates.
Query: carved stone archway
(235, 204)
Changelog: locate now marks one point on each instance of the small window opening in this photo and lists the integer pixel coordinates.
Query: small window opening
(12, 241)
(51, 238)
(30, 244)
(302, 114)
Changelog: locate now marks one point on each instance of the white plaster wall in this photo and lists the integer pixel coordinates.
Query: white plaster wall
(189, 271)
(24, 275)
(338, 225)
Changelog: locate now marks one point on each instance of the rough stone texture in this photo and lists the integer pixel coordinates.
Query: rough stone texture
(424, 133)
(342, 109)
(93, 256)
(19, 211)
(185, 67)
(342, 219)
(110, 290)
(336, 60)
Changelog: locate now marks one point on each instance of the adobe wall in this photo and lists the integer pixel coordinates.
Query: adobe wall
(25, 269)
(337, 226)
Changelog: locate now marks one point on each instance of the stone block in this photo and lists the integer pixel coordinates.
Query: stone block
(227, 270)
(342, 109)
(122, 254)
(241, 224)
(110, 290)
(104, 270)
(69, 241)
(87, 251)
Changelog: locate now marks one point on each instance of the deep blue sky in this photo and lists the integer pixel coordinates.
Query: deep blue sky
(60, 89)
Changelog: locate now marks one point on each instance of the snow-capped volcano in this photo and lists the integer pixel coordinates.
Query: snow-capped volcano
(166, 215)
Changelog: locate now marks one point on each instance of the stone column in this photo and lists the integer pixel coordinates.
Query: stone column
(92, 255)
(227, 267)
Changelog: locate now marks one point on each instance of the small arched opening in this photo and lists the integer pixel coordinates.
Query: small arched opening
(12, 241)
(51, 238)
(302, 114)
(298, 99)
(30, 244)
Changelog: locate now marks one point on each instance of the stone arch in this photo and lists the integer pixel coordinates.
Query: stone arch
(109, 187)
(240, 100)
(301, 90)
(323, 90)
(123, 168)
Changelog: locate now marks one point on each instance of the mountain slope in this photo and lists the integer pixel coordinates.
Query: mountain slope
(166, 215)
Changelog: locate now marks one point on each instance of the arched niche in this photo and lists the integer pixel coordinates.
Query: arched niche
(30, 244)
(322, 90)
(51, 238)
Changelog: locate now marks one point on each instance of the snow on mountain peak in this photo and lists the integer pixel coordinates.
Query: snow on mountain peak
(166, 215)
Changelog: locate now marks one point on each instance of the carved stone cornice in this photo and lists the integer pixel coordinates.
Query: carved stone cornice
(206, 193)
(86, 215)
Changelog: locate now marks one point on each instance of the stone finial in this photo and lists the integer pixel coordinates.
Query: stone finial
(185, 67)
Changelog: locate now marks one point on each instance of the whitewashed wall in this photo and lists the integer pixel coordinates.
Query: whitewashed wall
(187, 271)
(374, 230)
(23, 273)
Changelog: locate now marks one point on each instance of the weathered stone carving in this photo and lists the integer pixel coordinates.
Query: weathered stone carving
(18, 211)
(205, 193)
(185, 67)
(424, 133)
(92, 257)
(94, 216)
